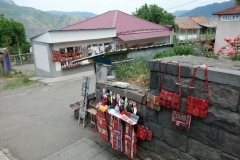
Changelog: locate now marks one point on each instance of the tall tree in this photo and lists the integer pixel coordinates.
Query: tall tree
(12, 28)
(154, 13)
(237, 2)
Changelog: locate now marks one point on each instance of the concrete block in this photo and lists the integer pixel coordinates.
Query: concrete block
(103, 155)
(149, 145)
(176, 140)
(155, 80)
(154, 65)
(172, 68)
(91, 152)
(152, 115)
(202, 151)
(221, 96)
(82, 147)
(222, 119)
(170, 84)
(185, 156)
(229, 144)
(166, 151)
(157, 130)
(143, 113)
(203, 133)
(222, 76)
(136, 96)
(227, 157)
(165, 120)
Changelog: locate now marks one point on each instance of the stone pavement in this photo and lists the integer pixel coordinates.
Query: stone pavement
(85, 149)
(2, 156)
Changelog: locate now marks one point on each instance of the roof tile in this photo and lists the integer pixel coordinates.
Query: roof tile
(124, 23)
(186, 23)
(229, 11)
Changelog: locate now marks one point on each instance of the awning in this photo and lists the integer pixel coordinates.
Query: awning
(145, 35)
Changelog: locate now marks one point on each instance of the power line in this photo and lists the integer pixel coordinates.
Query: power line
(181, 5)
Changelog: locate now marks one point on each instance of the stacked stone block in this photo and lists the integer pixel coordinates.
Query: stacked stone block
(215, 137)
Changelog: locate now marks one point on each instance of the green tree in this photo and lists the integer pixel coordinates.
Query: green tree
(237, 2)
(12, 28)
(1, 16)
(155, 14)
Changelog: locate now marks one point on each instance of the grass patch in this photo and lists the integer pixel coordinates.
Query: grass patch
(17, 80)
(168, 53)
(135, 71)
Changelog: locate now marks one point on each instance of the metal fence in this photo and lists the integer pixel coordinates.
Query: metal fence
(22, 59)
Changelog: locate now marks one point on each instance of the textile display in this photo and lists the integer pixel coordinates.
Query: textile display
(102, 125)
(144, 133)
(153, 102)
(196, 106)
(181, 120)
(117, 134)
(171, 99)
(130, 141)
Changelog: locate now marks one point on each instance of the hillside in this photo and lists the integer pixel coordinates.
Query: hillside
(178, 13)
(36, 21)
(84, 14)
(208, 10)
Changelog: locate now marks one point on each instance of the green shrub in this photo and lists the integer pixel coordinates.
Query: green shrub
(135, 71)
(168, 53)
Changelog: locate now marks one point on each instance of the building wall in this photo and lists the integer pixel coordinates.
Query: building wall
(225, 29)
(42, 57)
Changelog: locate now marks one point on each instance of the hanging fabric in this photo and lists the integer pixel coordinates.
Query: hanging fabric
(153, 102)
(167, 98)
(117, 134)
(196, 106)
(181, 120)
(102, 125)
(130, 141)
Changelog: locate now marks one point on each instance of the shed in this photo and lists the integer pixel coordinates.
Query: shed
(5, 63)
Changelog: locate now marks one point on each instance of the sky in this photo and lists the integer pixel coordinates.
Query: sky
(101, 6)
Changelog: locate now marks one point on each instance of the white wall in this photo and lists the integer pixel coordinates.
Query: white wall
(229, 29)
(41, 57)
(80, 35)
(42, 38)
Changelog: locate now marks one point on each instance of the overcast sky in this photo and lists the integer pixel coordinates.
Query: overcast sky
(101, 6)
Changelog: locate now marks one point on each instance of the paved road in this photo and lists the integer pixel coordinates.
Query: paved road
(37, 121)
(24, 68)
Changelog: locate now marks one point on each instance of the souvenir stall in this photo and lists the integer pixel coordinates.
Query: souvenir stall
(116, 122)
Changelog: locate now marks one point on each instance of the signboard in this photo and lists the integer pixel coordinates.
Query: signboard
(83, 99)
(230, 18)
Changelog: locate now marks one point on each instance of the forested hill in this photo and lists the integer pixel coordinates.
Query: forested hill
(36, 21)
(208, 10)
(84, 14)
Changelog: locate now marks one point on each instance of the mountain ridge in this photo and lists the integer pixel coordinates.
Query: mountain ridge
(84, 14)
(208, 10)
(36, 21)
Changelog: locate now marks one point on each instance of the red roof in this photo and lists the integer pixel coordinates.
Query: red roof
(126, 26)
(229, 11)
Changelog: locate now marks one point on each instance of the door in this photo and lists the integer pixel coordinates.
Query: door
(8, 65)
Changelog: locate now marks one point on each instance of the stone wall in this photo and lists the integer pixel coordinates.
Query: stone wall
(215, 137)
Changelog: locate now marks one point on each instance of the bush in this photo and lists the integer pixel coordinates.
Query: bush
(168, 53)
(135, 71)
